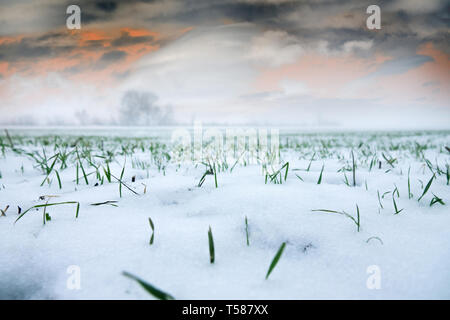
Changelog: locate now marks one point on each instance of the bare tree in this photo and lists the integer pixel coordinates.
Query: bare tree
(140, 108)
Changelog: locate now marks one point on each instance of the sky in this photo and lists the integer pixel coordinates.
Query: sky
(262, 62)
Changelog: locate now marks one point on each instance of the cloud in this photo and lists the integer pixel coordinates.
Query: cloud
(405, 22)
(64, 51)
(236, 59)
(417, 6)
(355, 46)
(113, 56)
(400, 65)
(29, 48)
(109, 58)
(107, 6)
(126, 39)
(203, 71)
(275, 48)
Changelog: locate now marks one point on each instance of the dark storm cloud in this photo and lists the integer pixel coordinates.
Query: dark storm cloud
(405, 24)
(210, 12)
(108, 58)
(32, 48)
(50, 36)
(113, 56)
(266, 12)
(54, 44)
(107, 6)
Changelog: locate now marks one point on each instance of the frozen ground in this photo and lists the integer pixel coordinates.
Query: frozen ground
(325, 256)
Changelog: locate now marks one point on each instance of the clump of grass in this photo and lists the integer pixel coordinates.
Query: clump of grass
(210, 170)
(356, 220)
(152, 238)
(9, 138)
(50, 205)
(107, 172)
(157, 293)
(389, 160)
(48, 169)
(211, 246)
(123, 183)
(275, 259)
(277, 177)
(427, 187)
(435, 200)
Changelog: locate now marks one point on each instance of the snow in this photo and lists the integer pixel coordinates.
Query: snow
(325, 257)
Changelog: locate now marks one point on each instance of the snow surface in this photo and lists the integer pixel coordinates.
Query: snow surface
(325, 257)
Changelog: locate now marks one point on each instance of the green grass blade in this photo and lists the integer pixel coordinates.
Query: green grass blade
(410, 195)
(287, 170)
(326, 210)
(275, 259)
(153, 230)
(358, 218)
(120, 181)
(157, 293)
(427, 187)
(320, 177)
(353, 169)
(50, 205)
(211, 246)
(246, 231)
(77, 210)
(59, 179)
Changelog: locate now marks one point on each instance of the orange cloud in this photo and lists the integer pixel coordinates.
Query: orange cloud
(89, 45)
(429, 83)
(84, 61)
(324, 75)
(336, 76)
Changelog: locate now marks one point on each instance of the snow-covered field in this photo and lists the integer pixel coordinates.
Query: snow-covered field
(401, 243)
